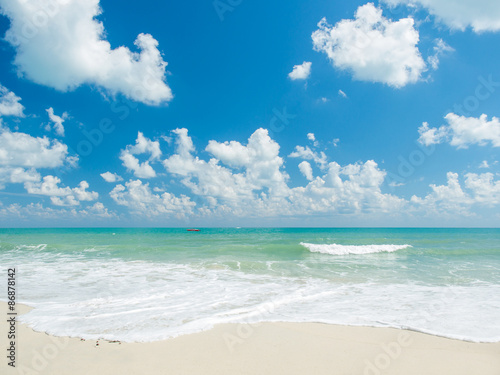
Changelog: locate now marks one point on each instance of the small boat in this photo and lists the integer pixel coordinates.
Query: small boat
(193, 230)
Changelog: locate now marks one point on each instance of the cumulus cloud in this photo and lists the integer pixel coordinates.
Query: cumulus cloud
(61, 196)
(17, 176)
(57, 122)
(22, 150)
(143, 145)
(257, 166)
(481, 16)
(248, 180)
(306, 169)
(462, 131)
(260, 159)
(9, 103)
(453, 198)
(445, 198)
(372, 47)
(308, 154)
(301, 71)
(484, 189)
(430, 136)
(61, 44)
(21, 155)
(139, 197)
(354, 188)
(111, 177)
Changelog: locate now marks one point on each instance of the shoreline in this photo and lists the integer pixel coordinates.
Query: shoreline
(263, 348)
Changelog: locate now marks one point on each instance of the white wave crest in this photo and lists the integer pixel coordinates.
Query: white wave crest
(39, 247)
(335, 249)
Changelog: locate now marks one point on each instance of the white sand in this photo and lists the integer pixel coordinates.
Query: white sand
(268, 348)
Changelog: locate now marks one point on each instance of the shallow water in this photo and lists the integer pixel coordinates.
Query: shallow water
(151, 284)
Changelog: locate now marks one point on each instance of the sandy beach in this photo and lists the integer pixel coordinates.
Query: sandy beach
(266, 348)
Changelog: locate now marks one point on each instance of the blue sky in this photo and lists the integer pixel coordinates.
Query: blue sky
(235, 113)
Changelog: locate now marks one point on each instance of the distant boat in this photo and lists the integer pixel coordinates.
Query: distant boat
(193, 230)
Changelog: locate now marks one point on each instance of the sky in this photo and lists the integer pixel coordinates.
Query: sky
(238, 113)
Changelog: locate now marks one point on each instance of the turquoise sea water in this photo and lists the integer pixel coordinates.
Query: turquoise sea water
(151, 284)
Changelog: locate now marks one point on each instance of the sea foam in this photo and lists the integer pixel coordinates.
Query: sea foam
(336, 249)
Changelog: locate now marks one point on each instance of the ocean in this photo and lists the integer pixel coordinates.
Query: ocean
(138, 285)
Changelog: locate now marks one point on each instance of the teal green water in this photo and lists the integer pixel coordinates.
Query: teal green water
(84, 281)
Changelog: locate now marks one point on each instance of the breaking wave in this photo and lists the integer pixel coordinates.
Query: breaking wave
(336, 249)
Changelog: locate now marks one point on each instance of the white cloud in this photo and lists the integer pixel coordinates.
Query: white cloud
(258, 166)
(354, 188)
(184, 143)
(445, 198)
(22, 150)
(82, 194)
(111, 177)
(462, 131)
(439, 49)
(306, 169)
(142, 200)
(143, 145)
(342, 94)
(483, 187)
(97, 209)
(9, 103)
(61, 44)
(141, 170)
(471, 130)
(253, 184)
(248, 180)
(430, 136)
(312, 138)
(36, 211)
(372, 47)
(308, 154)
(452, 198)
(394, 184)
(484, 164)
(480, 15)
(48, 187)
(17, 176)
(260, 158)
(21, 155)
(57, 121)
(301, 71)
(61, 196)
